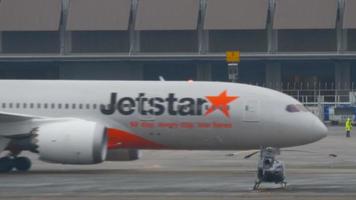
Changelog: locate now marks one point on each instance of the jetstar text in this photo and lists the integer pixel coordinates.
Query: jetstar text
(144, 105)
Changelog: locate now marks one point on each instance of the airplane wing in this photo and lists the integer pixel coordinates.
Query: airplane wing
(14, 124)
(64, 140)
(14, 117)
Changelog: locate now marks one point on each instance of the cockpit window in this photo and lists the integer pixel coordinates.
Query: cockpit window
(296, 108)
(292, 108)
(302, 108)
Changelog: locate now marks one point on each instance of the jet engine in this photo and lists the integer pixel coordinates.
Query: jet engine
(72, 142)
(122, 155)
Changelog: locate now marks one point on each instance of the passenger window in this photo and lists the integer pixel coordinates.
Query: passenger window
(59, 106)
(38, 105)
(88, 106)
(66, 106)
(17, 105)
(80, 106)
(94, 106)
(73, 106)
(4, 105)
(31, 105)
(45, 106)
(53, 106)
(24, 105)
(10, 105)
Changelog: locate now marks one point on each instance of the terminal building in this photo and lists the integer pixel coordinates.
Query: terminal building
(284, 43)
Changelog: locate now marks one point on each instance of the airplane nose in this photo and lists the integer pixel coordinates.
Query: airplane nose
(319, 130)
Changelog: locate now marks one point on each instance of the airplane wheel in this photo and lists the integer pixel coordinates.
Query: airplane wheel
(6, 164)
(22, 164)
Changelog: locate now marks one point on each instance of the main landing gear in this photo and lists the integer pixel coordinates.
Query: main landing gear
(10, 162)
(270, 170)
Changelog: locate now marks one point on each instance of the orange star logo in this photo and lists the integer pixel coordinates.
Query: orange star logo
(220, 102)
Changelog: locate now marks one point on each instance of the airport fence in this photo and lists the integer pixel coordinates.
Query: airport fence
(312, 94)
(329, 101)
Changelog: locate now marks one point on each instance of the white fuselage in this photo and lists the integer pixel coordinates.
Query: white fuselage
(173, 115)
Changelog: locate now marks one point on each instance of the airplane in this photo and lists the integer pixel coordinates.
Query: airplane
(88, 122)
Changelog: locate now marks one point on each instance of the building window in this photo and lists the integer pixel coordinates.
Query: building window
(28, 42)
(100, 41)
(169, 41)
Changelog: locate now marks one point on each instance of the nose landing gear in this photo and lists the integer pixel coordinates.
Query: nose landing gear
(270, 170)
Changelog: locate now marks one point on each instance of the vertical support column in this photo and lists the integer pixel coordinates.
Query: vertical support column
(341, 33)
(137, 69)
(65, 37)
(274, 75)
(342, 75)
(134, 35)
(204, 72)
(203, 35)
(272, 35)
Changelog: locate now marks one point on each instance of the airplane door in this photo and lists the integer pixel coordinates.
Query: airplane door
(251, 111)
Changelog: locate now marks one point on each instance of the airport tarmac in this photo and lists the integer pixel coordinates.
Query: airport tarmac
(194, 175)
